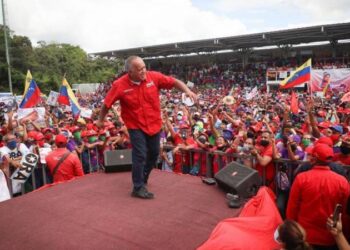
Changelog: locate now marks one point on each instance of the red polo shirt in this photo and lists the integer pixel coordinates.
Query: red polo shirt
(312, 199)
(270, 168)
(140, 105)
(68, 169)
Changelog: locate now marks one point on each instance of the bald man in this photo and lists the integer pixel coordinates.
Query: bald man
(138, 93)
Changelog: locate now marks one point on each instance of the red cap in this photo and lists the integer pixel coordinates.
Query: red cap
(60, 139)
(323, 152)
(184, 126)
(90, 126)
(75, 128)
(48, 130)
(325, 124)
(325, 140)
(84, 133)
(39, 136)
(32, 134)
(91, 133)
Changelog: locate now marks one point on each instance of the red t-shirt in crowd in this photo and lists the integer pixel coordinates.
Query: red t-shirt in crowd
(183, 158)
(312, 199)
(345, 159)
(270, 168)
(69, 168)
(140, 105)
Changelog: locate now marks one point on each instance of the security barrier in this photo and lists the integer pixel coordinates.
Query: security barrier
(192, 162)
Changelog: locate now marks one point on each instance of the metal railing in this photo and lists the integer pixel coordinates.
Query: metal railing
(194, 157)
(40, 175)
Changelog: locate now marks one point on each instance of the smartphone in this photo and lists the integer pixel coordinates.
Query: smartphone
(336, 213)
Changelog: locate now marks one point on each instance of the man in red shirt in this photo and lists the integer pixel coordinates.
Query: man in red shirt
(264, 158)
(138, 93)
(314, 195)
(69, 167)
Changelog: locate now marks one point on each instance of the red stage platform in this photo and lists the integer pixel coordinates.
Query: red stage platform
(97, 212)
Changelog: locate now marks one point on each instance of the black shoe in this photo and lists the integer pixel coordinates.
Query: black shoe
(142, 193)
(234, 201)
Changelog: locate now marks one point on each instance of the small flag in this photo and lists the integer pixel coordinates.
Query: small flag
(68, 98)
(31, 95)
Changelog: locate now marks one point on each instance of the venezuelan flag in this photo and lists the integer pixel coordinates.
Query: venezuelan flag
(68, 98)
(31, 95)
(299, 76)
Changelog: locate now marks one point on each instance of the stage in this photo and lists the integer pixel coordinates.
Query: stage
(97, 212)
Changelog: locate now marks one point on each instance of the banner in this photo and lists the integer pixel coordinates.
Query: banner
(330, 79)
(52, 99)
(21, 174)
(86, 113)
(7, 103)
(43, 152)
(252, 94)
(36, 115)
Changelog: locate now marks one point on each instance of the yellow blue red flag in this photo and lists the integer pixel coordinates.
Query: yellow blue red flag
(299, 76)
(68, 98)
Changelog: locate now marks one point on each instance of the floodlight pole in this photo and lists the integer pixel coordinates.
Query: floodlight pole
(6, 45)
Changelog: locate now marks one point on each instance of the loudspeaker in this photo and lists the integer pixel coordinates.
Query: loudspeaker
(238, 179)
(118, 160)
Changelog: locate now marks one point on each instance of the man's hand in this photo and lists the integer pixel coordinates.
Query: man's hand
(193, 96)
(335, 231)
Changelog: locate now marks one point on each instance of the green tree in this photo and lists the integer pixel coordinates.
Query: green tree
(50, 62)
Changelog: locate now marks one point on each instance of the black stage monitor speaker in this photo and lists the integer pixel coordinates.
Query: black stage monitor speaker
(117, 160)
(238, 179)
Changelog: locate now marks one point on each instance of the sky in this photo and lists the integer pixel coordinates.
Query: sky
(102, 25)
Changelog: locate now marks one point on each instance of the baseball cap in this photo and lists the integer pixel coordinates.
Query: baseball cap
(39, 136)
(75, 128)
(325, 124)
(337, 128)
(32, 134)
(60, 139)
(325, 140)
(323, 152)
(48, 130)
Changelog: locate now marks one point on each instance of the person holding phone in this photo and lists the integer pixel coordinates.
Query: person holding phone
(138, 93)
(335, 227)
(314, 195)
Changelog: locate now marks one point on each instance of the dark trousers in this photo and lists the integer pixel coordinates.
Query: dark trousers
(145, 151)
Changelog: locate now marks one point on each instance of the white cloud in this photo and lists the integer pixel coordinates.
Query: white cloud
(316, 11)
(107, 24)
(100, 25)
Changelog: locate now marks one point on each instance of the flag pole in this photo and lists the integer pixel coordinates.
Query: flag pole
(309, 83)
(6, 45)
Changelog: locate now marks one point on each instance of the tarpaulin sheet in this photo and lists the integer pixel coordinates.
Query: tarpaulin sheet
(253, 229)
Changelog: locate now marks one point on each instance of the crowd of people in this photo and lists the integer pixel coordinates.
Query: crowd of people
(254, 128)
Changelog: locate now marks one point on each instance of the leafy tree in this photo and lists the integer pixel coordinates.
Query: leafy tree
(49, 63)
